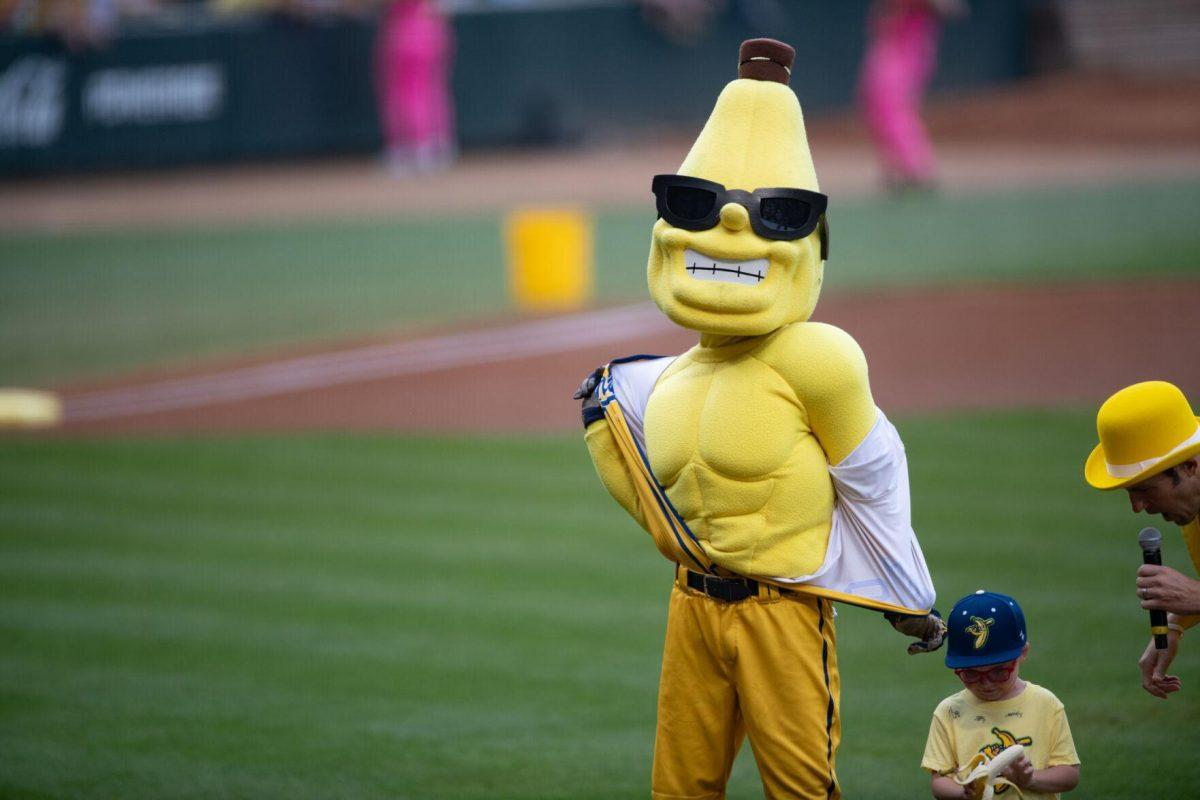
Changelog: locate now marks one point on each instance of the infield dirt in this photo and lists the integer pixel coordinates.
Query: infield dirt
(961, 348)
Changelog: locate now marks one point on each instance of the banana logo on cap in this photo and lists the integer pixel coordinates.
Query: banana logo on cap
(979, 628)
(728, 279)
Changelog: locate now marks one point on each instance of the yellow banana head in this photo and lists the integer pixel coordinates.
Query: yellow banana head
(754, 139)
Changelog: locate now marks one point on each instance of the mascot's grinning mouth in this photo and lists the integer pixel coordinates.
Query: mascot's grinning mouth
(706, 268)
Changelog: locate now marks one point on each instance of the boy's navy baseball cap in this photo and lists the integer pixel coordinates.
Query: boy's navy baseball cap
(984, 628)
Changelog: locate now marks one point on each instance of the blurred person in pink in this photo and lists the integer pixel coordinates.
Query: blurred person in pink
(899, 61)
(413, 58)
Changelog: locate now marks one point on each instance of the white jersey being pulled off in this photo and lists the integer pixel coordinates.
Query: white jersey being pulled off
(873, 553)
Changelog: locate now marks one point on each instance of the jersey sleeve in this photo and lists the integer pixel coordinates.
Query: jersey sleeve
(880, 556)
(1062, 747)
(1191, 537)
(939, 746)
(629, 383)
(1187, 621)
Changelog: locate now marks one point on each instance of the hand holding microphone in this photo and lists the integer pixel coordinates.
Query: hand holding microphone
(1167, 589)
(1160, 652)
(1151, 542)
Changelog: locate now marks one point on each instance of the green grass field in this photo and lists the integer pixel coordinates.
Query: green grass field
(87, 303)
(318, 616)
(327, 616)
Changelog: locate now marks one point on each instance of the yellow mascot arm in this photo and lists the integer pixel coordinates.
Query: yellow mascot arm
(610, 466)
(828, 371)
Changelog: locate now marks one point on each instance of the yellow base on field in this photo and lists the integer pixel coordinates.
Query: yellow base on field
(29, 408)
(549, 258)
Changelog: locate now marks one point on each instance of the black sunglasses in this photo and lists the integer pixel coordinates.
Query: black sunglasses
(695, 204)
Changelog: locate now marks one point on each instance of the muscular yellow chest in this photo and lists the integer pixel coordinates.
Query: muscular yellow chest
(731, 443)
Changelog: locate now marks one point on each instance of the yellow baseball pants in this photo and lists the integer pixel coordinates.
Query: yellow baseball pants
(764, 667)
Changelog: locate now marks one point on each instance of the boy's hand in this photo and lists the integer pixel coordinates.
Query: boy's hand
(945, 788)
(1019, 772)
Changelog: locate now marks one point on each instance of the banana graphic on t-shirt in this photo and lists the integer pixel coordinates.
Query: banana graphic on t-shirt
(1006, 740)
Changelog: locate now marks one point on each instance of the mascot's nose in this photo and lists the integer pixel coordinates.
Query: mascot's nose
(734, 216)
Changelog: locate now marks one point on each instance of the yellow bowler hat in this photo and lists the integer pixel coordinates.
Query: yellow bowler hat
(1144, 429)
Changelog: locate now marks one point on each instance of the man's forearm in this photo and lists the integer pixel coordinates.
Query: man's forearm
(1186, 600)
(1192, 605)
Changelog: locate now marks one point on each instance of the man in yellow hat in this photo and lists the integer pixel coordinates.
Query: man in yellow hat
(1150, 447)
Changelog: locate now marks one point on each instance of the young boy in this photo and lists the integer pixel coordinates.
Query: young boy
(996, 708)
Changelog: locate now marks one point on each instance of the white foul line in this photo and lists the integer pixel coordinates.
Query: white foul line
(522, 340)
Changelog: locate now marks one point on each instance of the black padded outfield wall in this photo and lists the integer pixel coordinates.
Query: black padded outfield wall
(566, 74)
(256, 90)
(270, 89)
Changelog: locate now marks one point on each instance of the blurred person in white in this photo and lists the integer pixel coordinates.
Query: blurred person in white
(289, 8)
(413, 59)
(297, 10)
(682, 21)
(79, 24)
(898, 63)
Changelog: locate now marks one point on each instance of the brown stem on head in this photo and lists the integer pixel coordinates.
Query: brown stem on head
(765, 60)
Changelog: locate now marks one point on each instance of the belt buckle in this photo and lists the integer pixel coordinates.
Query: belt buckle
(726, 589)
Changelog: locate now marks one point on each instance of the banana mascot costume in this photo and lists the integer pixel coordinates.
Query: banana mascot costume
(757, 460)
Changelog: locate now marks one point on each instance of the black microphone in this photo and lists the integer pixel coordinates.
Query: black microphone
(1151, 541)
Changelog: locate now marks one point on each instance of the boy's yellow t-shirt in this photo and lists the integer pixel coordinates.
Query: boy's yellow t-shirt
(964, 725)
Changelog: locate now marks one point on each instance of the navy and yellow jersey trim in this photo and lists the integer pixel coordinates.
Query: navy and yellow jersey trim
(849, 599)
(671, 534)
(637, 357)
(831, 785)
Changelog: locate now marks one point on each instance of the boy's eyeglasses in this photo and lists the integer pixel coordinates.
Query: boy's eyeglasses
(695, 204)
(993, 674)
